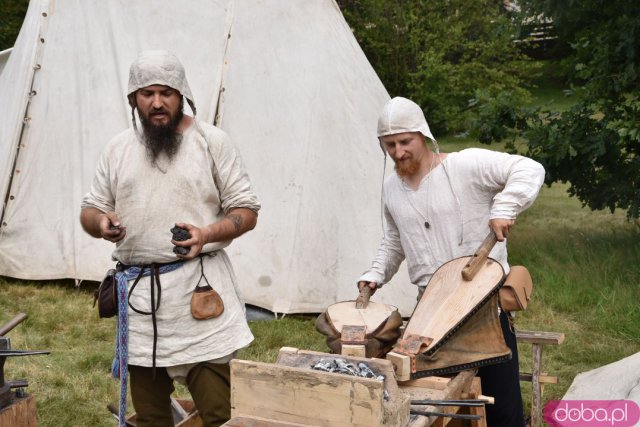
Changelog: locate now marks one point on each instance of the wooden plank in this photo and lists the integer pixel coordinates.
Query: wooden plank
(345, 313)
(192, 420)
(449, 297)
(188, 410)
(20, 413)
(543, 378)
(539, 337)
(305, 396)
(396, 407)
(431, 383)
(354, 350)
(437, 388)
(536, 395)
(247, 421)
(474, 391)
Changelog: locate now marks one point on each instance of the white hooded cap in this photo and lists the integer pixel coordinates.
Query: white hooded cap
(401, 115)
(158, 67)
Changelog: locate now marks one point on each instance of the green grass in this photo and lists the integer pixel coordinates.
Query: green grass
(585, 269)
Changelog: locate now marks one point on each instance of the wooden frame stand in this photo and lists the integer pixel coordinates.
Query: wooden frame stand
(538, 379)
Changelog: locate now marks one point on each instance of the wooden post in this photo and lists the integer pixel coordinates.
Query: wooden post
(538, 339)
(536, 398)
(20, 413)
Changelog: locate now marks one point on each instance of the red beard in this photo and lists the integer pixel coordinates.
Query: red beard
(407, 167)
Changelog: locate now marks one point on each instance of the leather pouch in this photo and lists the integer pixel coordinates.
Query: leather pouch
(517, 289)
(206, 303)
(107, 295)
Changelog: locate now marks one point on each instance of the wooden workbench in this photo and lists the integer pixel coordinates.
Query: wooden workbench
(289, 393)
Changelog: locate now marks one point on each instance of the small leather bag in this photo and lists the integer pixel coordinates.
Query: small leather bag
(107, 295)
(206, 303)
(517, 289)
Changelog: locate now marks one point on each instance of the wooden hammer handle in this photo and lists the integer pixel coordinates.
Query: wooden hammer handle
(363, 298)
(478, 259)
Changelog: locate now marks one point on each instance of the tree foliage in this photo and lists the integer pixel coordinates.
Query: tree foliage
(440, 53)
(595, 145)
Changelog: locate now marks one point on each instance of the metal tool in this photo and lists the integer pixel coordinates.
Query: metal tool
(461, 403)
(444, 414)
(6, 396)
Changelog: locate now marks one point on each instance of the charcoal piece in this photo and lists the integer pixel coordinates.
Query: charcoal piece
(181, 250)
(180, 235)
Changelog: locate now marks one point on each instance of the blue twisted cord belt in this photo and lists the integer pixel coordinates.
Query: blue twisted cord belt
(119, 368)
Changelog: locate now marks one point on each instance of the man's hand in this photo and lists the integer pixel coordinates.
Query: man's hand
(373, 285)
(237, 222)
(501, 227)
(197, 239)
(111, 228)
(102, 225)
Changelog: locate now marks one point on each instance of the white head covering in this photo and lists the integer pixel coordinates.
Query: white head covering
(158, 67)
(401, 115)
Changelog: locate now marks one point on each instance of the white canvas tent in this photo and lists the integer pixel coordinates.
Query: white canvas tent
(288, 82)
(4, 57)
(615, 381)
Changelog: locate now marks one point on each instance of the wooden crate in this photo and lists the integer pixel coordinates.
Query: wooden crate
(290, 392)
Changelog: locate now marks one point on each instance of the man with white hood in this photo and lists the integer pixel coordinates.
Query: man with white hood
(440, 206)
(176, 171)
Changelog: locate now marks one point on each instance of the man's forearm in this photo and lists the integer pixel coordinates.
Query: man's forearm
(90, 221)
(237, 222)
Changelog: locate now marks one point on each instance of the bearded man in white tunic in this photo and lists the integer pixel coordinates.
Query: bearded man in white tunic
(440, 206)
(175, 171)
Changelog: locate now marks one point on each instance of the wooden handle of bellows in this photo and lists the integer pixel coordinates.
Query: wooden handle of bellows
(469, 271)
(363, 299)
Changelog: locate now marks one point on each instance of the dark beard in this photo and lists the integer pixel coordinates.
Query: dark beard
(161, 139)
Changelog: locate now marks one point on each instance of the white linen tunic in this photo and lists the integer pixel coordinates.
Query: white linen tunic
(448, 215)
(204, 180)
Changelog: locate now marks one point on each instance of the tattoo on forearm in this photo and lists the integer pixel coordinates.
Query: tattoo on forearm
(236, 220)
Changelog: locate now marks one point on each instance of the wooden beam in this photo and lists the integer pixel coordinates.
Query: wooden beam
(247, 421)
(538, 337)
(354, 350)
(544, 378)
(401, 365)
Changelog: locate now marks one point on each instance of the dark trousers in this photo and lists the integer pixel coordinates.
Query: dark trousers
(502, 382)
(208, 383)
